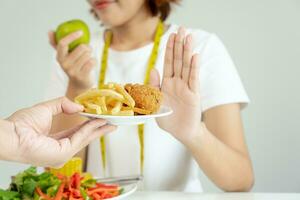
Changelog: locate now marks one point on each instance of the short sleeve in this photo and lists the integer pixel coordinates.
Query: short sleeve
(57, 84)
(220, 83)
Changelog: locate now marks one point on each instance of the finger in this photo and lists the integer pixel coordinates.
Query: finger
(71, 141)
(187, 57)
(63, 44)
(81, 142)
(89, 132)
(194, 80)
(87, 68)
(62, 105)
(155, 78)
(83, 59)
(178, 52)
(72, 62)
(67, 133)
(51, 36)
(168, 63)
(99, 132)
(79, 51)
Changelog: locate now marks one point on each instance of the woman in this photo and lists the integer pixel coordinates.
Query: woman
(198, 80)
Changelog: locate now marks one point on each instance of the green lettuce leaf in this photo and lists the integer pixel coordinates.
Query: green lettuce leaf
(9, 195)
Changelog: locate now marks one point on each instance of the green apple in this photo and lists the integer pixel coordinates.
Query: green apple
(71, 26)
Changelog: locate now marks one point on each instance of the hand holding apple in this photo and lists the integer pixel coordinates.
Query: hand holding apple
(73, 53)
(71, 26)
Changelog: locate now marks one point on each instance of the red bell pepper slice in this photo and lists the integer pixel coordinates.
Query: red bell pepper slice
(77, 180)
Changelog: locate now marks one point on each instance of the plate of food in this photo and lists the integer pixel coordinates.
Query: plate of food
(123, 105)
(46, 186)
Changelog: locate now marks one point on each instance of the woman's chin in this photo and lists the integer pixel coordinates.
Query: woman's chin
(110, 21)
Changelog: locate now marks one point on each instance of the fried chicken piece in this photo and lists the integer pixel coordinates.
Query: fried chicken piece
(145, 96)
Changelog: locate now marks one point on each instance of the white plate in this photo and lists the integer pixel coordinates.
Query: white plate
(128, 190)
(131, 120)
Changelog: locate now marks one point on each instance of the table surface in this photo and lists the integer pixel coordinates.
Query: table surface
(207, 196)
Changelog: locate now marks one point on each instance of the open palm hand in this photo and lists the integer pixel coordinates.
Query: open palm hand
(180, 87)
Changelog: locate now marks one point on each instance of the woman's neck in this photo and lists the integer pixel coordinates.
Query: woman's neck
(136, 33)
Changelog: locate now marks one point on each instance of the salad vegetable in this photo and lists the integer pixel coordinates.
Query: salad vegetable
(46, 186)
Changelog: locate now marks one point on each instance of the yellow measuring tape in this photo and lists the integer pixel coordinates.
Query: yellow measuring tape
(150, 66)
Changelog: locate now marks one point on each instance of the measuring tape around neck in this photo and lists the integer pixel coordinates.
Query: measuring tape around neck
(150, 66)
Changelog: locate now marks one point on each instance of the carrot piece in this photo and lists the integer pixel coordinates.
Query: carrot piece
(42, 195)
(59, 194)
(114, 193)
(107, 186)
(66, 195)
(99, 190)
(71, 197)
(96, 196)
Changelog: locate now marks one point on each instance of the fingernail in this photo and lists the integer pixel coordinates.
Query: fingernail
(114, 127)
(189, 38)
(102, 122)
(80, 106)
(181, 30)
(197, 56)
(79, 33)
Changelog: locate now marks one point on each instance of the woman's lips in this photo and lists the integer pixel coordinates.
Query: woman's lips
(102, 4)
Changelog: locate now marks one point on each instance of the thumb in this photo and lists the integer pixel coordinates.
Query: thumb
(52, 41)
(154, 78)
(62, 105)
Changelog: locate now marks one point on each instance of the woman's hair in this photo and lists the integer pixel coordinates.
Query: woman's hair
(161, 8)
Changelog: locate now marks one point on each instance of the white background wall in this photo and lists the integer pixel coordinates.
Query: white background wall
(263, 37)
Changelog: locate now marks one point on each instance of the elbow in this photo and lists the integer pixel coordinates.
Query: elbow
(241, 183)
(243, 186)
(248, 185)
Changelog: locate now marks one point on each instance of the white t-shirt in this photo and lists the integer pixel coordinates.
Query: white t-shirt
(168, 165)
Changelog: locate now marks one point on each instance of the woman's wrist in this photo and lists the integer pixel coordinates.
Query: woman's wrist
(194, 137)
(73, 90)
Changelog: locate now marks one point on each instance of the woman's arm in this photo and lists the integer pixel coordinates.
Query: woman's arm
(220, 150)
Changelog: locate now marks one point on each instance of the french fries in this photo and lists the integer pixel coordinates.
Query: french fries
(117, 108)
(128, 99)
(96, 108)
(111, 99)
(101, 102)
